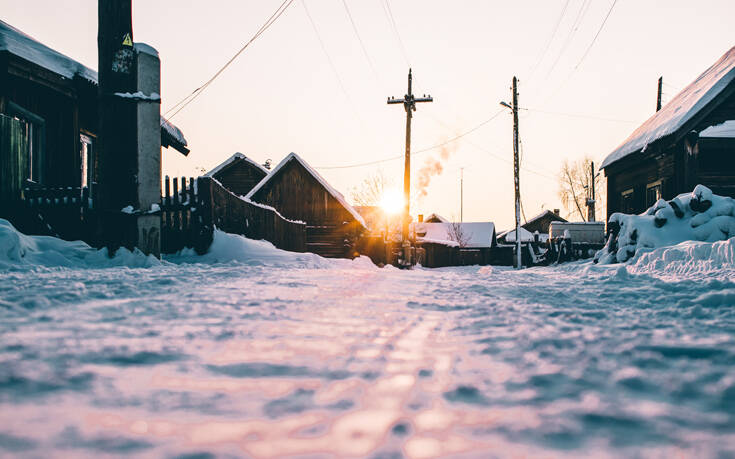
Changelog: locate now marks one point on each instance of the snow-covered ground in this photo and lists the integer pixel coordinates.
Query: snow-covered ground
(250, 351)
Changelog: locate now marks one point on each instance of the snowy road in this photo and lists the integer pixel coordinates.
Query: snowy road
(312, 358)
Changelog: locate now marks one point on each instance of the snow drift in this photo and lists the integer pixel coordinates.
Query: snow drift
(18, 250)
(696, 216)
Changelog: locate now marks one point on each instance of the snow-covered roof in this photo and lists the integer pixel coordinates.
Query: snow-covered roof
(682, 108)
(542, 215)
(333, 192)
(26, 47)
(19, 44)
(436, 217)
(232, 159)
(510, 236)
(478, 234)
(725, 130)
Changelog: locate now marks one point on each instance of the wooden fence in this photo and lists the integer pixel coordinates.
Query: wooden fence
(190, 213)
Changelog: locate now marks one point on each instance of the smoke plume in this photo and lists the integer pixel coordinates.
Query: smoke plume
(433, 167)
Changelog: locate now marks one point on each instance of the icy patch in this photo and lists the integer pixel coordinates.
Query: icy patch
(696, 216)
(18, 251)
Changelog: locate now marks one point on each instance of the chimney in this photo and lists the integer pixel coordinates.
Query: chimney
(421, 218)
(556, 211)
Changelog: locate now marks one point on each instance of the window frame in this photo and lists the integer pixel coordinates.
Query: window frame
(36, 142)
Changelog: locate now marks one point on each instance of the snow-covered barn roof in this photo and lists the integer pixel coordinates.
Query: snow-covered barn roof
(333, 192)
(19, 44)
(544, 214)
(478, 234)
(237, 156)
(683, 108)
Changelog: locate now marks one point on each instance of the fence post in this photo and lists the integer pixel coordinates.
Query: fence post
(205, 209)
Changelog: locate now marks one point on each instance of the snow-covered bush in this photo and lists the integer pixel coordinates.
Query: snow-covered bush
(696, 216)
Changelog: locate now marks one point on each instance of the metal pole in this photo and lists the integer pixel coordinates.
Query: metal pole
(461, 194)
(516, 178)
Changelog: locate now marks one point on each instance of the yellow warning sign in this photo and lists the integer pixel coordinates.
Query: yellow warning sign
(127, 41)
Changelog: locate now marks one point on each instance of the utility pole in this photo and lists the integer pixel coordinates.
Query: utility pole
(591, 201)
(117, 119)
(409, 104)
(516, 173)
(660, 90)
(461, 194)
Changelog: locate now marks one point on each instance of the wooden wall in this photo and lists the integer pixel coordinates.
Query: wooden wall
(240, 177)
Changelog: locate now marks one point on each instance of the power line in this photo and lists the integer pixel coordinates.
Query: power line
(570, 35)
(413, 153)
(326, 53)
(394, 27)
(597, 34)
(359, 39)
(188, 99)
(548, 44)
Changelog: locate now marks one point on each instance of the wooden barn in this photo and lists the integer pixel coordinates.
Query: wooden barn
(691, 140)
(455, 244)
(49, 118)
(299, 193)
(542, 221)
(238, 174)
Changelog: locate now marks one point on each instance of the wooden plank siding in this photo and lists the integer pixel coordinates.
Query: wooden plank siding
(240, 176)
(13, 159)
(332, 230)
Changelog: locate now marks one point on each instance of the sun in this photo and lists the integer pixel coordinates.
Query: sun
(391, 201)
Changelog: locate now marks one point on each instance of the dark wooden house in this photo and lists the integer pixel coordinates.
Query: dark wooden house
(48, 111)
(238, 174)
(542, 221)
(691, 140)
(299, 193)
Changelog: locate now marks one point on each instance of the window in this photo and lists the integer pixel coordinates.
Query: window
(86, 159)
(653, 193)
(626, 201)
(34, 129)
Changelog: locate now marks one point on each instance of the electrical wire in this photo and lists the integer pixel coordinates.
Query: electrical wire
(188, 99)
(575, 26)
(362, 44)
(394, 27)
(548, 44)
(413, 153)
(575, 115)
(596, 35)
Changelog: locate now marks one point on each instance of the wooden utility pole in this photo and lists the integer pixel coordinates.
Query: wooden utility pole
(117, 118)
(660, 90)
(591, 201)
(516, 173)
(409, 104)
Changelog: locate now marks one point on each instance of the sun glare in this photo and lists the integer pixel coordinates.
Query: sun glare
(392, 201)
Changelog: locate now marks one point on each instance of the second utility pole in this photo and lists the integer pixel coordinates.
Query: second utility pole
(516, 178)
(409, 104)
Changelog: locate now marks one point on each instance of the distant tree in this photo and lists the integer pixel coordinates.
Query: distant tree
(456, 233)
(370, 191)
(575, 188)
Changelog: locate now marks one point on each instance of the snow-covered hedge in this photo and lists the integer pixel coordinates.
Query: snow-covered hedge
(696, 216)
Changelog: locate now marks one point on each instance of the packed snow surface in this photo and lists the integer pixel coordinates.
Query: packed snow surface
(696, 216)
(250, 351)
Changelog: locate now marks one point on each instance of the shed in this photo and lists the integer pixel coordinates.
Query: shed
(238, 174)
(689, 141)
(298, 192)
(50, 100)
(542, 221)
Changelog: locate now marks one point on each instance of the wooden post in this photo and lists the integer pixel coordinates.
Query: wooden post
(409, 104)
(660, 90)
(516, 177)
(117, 117)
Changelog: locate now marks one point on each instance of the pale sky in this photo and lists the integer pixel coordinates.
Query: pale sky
(282, 94)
